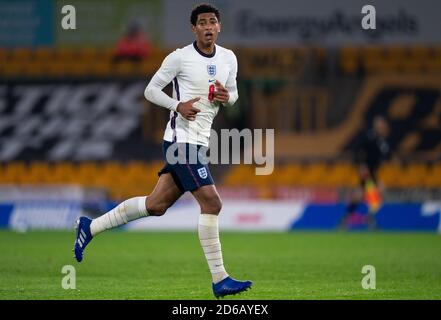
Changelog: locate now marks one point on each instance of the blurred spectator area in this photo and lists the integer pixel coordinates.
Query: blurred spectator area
(391, 59)
(42, 63)
(123, 180)
(118, 179)
(257, 63)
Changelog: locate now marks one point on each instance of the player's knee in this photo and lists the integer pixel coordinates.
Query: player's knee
(156, 208)
(218, 205)
(214, 206)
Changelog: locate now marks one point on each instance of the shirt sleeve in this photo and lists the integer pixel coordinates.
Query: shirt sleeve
(166, 73)
(231, 84)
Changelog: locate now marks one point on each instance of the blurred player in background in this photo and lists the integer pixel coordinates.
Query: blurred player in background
(134, 45)
(204, 79)
(369, 152)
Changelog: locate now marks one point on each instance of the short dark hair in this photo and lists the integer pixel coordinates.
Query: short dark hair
(203, 8)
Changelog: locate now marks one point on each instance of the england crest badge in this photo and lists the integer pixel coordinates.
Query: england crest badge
(211, 69)
(202, 172)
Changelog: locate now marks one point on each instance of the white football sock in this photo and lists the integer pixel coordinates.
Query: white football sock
(131, 209)
(208, 230)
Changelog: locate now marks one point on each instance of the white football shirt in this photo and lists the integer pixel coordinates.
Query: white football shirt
(192, 73)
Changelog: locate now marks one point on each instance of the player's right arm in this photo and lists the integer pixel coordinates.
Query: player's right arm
(166, 73)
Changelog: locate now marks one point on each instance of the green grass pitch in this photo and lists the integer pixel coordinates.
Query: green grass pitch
(171, 265)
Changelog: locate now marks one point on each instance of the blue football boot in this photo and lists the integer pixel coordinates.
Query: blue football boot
(83, 237)
(230, 286)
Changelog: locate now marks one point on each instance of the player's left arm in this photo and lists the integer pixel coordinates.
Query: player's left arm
(228, 95)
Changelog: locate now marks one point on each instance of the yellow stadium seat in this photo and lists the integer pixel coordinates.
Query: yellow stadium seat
(56, 68)
(44, 54)
(110, 174)
(396, 58)
(314, 175)
(106, 54)
(14, 173)
(63, 173)
(65, 54)
(101, 68)
(37, 68)
(125, 68)
(373, 59)
(4, 55)
(391, 174)
(137, 174)
(136, 168)
(342, 175)
(262, 181)
(418, 55)
(434, 63)
(414, 175)
(289, 175)
(239, 175)
(147, 67)
(87, 173)
(88, 55)
(21, 55)
(419, 52)
(39, 172)
(349, 58)
(152, 174)
(433, 177)
(112, 168)
(79, 68)
(13, 68)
